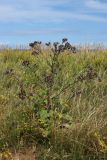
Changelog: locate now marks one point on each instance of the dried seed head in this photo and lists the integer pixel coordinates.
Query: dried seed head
(25, 63)
(22, 95)
(55, 44)
(61, 48)
(34, 43)
(31, 45)
(64, 40)
(91, 73)
(49, 79)
(9, 72)
(89, 67)
(73, 49)
(67, 45)
(37, 42)
(40, 42)
(81, 77)
(48, 44)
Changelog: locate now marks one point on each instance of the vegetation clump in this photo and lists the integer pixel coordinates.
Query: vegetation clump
(56, 47)
(55, 104)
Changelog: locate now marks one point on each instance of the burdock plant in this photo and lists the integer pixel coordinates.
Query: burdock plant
(36, 47)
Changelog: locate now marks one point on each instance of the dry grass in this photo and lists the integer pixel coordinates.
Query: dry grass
(28, 154)
(58, 104)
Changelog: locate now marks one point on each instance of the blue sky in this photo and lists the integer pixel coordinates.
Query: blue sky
(81, 21)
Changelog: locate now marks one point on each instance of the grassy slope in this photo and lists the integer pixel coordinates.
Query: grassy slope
(75, 128)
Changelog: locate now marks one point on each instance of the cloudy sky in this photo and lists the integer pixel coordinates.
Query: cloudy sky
(81, 21)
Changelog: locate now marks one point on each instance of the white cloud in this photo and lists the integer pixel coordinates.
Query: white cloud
(38, 32)
(43, 13)
(97, 5)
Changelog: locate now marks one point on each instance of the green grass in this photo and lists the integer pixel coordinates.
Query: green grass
(48, 105)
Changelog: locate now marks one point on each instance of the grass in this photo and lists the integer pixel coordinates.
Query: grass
(53, 107)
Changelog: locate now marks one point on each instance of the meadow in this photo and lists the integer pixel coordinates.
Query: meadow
(53, 107)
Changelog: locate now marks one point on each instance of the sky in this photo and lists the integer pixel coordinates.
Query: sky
(81, 21)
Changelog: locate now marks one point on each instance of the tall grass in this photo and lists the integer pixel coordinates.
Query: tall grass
(56, 104)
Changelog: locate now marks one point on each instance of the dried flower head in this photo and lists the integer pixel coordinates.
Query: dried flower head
(64, 40)
(31, 44)
(73, 49)
(25, 63)
(61, 48)
(9, 72)
(22, 95)
(49, 79)
(36, 47)
(48, 44)
(67, 45)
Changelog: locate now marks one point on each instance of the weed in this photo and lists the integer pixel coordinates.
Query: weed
(54, 101)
